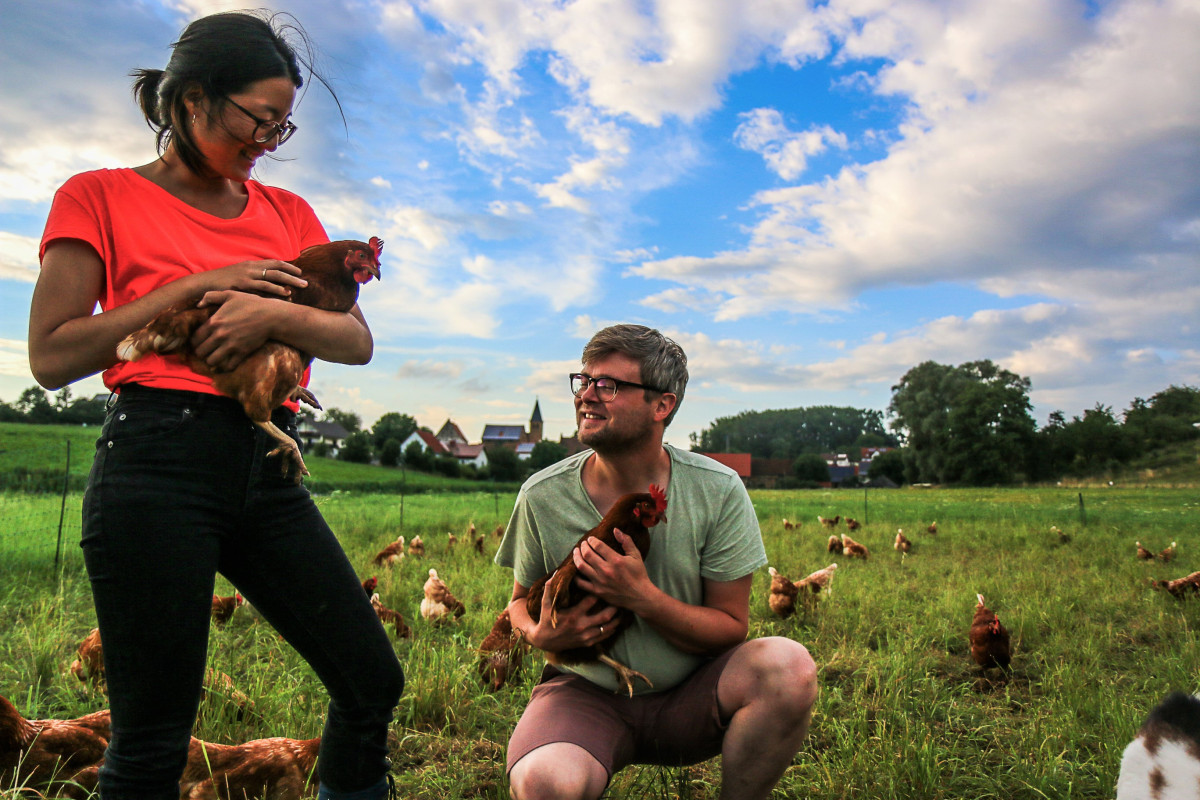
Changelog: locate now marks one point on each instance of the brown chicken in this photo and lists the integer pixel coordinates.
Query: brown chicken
(834, 545)
(438, 603)
(829, 522)
(390, 555)
(501, 653)
(1180, 587)
(271, 374)
(1168, 552)
(390, 617)
(89, 666)
(853, 549)
(479, 544)
(1143, 553)
(789, 526)
(223, 607)
(451, 540)
(632, 514)
(990, 646)
(416, 547)
(48, 755)
(781, 598)
(932, 527)
(498, 532)
(784, 592)
(852, 524)
(902, 543)
(263, 769)
(370, 584)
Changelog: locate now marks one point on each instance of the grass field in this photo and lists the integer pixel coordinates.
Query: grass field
(902, 713)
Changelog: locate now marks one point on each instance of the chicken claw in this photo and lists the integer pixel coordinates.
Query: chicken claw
(305, 396)
(288, 450)
(624, 674)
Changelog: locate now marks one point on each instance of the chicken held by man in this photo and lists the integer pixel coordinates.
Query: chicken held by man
(632, 514)
(273, 373)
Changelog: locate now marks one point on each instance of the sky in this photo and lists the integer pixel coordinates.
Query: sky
(810, 197)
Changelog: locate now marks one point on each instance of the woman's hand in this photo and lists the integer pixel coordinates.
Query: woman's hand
(267, 277)
(242, 323)
(578, 626)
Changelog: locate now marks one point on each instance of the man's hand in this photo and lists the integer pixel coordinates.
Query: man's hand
(578, 625)
(617, 577)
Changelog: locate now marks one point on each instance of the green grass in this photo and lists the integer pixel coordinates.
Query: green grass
(34, 458)
(903, 713)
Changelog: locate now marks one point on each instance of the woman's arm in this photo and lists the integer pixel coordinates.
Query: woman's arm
(69, 341)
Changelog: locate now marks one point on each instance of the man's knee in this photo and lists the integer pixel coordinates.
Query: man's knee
(779, 670)
(557, 771)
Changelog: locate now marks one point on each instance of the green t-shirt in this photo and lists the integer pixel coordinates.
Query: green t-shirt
(711, 533)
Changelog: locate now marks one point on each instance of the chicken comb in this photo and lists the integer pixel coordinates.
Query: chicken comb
(660, 498)
(376, 245)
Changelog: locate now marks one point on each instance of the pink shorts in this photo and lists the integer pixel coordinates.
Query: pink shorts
(679, 726)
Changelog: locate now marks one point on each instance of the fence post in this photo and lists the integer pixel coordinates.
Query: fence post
(62, 508)
(1082, 512)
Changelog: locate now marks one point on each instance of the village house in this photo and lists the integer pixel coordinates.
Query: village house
(329, 435)
(515, 437)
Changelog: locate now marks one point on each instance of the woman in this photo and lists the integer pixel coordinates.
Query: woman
(179, 489)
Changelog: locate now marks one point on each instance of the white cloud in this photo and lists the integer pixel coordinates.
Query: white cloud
(763, 131)
(18, 257)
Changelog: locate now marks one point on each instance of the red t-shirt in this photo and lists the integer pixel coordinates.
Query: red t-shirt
(147, 237)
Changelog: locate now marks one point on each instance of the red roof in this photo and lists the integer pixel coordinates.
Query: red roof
(738, 462)
(431, 441)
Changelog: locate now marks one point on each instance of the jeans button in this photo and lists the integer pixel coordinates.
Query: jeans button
(121, 417)
(110, 444)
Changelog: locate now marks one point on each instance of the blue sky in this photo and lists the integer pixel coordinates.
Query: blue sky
(811, 198)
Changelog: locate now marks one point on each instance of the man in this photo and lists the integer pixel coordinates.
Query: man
(713, 691)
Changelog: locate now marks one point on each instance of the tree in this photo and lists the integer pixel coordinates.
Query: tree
(35, 407)
(1097, 441)
(811, 467)
(787, 433)
(392, 425)
(356, 448)
(888, 465)
(504, 465)
(347, 419)
(84, 411)
(968, 424)
(416, 456)
(1170, 416)
(546, 453)
(389, 453)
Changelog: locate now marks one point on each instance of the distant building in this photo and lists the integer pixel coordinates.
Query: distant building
(331, 434)
(429, 443)
(513, 436)
(738, 462)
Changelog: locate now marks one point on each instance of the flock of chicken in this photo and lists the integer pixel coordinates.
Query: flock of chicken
(64, 756)
(990, 643)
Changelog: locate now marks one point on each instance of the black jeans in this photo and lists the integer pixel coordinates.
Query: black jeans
(180, 490)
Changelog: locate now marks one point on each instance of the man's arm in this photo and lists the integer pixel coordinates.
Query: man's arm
(721, 622)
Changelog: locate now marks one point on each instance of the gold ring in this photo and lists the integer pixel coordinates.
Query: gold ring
(602, 629)
(264, 277)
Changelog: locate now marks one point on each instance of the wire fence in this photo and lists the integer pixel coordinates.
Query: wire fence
(41, 507)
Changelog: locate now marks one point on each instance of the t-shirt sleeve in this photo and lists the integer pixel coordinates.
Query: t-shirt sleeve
(72, 215)
(521, 548)
(735, 547)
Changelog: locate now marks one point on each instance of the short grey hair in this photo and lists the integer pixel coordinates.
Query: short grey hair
(663, 362)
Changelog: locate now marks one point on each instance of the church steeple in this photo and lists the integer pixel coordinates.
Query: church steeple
(535, 423)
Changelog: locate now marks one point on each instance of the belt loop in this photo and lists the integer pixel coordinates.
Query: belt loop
(111, 401)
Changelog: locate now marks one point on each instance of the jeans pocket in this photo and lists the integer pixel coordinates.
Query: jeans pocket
(136, 422)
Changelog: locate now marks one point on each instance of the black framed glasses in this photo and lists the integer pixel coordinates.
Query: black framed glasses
(606, 387)
(267, 129)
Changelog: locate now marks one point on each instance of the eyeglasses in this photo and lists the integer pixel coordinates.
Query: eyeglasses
(606, 387)
(267, 129)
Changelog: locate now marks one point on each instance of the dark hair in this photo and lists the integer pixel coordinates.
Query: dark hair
(663, 362)
(221, 54)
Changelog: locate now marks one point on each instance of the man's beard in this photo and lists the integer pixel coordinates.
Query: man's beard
(611, 441)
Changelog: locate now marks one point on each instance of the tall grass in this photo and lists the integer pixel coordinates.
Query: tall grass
(902, 713)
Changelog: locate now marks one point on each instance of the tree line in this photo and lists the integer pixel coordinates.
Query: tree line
(969, 424)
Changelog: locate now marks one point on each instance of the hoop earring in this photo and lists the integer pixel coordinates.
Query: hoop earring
(193, 120)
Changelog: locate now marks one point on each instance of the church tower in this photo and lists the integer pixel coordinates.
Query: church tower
(535, 423)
